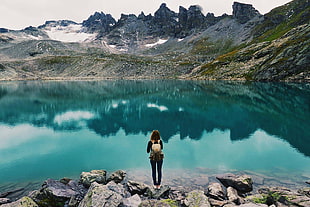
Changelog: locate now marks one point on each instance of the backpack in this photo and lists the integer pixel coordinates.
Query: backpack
(156, 153)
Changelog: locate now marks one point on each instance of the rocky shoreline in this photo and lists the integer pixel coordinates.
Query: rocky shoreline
(98, 188)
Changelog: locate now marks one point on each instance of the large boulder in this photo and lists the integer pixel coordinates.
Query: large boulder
(196, 198)
(4, 201)
(242, 183)
(102, 195)
(55, 192)
(163, 192)
(117, 176)
(216, 191)
(99, 176)
(23, 202)
(137, 187)
(232, 195)
(177, 194)
(133, 201)
(118, 188)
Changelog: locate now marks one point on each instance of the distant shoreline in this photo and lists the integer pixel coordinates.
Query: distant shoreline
(139, 78)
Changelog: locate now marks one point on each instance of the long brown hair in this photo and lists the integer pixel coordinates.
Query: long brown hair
(155, 136)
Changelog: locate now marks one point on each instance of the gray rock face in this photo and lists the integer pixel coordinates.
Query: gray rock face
(163, 192)
(133, 201)
(216, 191)
(117, 176)
(191, 19)
(23, 202)
(58, 189)
(118, 188)
(197, 198)
(241, 183)
(244, 12)
(137, 187)
(54, 192)
(130, 29)
(101, 195)
(195, 18)
(4, 200)
(232, 196)
(164, 21)
(98, 176)
(99, 22)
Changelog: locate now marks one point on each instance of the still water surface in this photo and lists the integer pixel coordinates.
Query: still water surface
(58, 129)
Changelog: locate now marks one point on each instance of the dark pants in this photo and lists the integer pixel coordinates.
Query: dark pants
(159, 165)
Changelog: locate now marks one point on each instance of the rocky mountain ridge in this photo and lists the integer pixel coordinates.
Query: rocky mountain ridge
(167, 45)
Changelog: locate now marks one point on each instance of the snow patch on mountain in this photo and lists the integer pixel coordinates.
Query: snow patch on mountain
(70, 33)
(159, 42)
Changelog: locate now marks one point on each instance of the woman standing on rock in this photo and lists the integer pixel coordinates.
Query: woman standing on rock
(155, 146)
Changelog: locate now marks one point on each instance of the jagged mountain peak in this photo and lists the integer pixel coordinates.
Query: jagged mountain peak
(99, 22)
(244, 12)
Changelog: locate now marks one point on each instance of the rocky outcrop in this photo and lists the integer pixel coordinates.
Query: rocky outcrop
(244, 12)
(164, 21)
(99, 22)
(55, 192)
(163, 192)
(132, 201)
(137, 187)
(191, 19)
(72, 193)
(216, 191)
(232, 195)
(117, 176)
(87, 178)
(104, 195)
(4, 201)
(23, 202)
(242, 183)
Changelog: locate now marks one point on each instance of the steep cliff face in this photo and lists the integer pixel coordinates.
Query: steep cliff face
(99, 22)
(244, 12)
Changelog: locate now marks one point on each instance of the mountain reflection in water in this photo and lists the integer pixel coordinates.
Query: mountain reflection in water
(189, 109)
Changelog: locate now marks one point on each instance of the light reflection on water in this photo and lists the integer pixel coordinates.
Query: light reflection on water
(49, 132)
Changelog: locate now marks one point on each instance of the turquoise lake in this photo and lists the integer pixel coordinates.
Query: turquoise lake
(55, 129)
